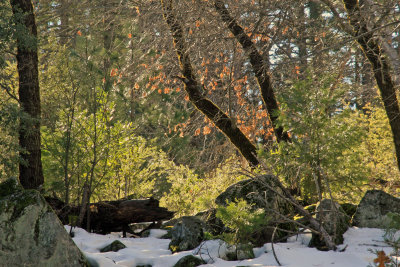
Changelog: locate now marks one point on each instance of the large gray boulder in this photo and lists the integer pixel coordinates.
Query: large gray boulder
(334, 220)
(261, 192)
(30, 232)
(373, 209)
(187, 233)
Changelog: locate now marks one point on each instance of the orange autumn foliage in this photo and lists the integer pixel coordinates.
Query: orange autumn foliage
(381, 259)
(206, 130)
(113, 72)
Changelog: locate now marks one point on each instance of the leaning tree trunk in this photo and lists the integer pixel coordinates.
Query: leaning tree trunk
(380, 68)
(30, 168)
(259, 67)
(194, 90)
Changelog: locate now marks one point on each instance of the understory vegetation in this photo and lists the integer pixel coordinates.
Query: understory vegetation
(122, 116)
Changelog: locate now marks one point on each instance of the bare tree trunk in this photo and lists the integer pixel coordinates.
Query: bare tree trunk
(108, 38)
(84, 204)
(260, 68)
(194, 90)
(30, 169)
(380, 67)
(68, 145)
(385, 40)
(67, 155)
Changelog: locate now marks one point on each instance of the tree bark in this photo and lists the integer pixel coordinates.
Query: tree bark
(30, 168)
(64, 25)
(194, 90)
(259, 67)
(380, 68)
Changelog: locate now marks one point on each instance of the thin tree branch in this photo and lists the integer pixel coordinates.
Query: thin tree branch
(380, 68)
(259, 67)
(194, 90)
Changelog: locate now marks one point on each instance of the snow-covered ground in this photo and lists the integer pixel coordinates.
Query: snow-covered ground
(295, 253)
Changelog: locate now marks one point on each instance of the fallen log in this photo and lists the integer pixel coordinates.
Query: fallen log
(114, 216)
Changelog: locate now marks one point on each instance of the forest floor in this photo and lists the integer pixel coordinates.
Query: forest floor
(358, 243)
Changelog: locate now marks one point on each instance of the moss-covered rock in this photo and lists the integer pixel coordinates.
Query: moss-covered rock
(9, 187)
(373, 209)
(187, 233)
(189, 261)
(257, 192)
(261, 192)
(30, 232)
(214, 225)
(114, 246)
(239, 252)
(349, 209)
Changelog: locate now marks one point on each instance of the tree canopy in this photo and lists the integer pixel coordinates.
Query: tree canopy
(172, 99)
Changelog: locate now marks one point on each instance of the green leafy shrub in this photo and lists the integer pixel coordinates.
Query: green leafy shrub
(379, 151)
(189, 193)
(325, 132)
(242, 221)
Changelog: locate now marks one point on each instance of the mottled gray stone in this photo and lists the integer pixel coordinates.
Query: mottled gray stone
(334, 220)
(114, 246)
(187, 233)
(373, 209)
(238, 252)
(189, 261)
(261, 192)
(257, 192)
(30, 232)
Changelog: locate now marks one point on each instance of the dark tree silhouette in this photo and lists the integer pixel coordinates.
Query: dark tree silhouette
(380, 67)
(30, 168)
(194, 90)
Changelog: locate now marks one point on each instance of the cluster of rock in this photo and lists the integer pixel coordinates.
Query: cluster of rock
(373, 211)
(32, 235)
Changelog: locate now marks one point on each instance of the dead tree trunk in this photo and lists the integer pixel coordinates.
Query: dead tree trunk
(113, 216)
(380, 68)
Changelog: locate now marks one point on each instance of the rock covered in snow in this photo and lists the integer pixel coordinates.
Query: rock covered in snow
(30, 232)
(373, 209)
